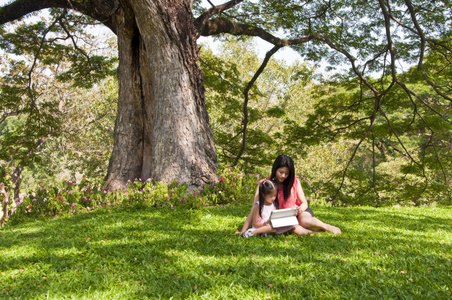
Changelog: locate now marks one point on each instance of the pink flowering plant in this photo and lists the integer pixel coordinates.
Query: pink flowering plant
(233, 186)
(146, 192)
(65, 198)
(70, 198)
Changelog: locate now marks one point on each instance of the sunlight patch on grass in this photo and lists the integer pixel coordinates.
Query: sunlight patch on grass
(195, 254)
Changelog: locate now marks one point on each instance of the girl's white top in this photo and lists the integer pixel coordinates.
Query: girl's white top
(266, 211)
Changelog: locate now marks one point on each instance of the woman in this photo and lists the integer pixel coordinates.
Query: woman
(290, 194)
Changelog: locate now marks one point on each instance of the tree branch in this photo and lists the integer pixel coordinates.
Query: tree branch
(222, 25)
(420, 65)
(43, 40)
(369, 129)
(409, 92)
(201, 21)
(20, 8)
(97, 9)
(401, 143)
(443, 173)
(10, 114)
(245, 103)
(70, 36)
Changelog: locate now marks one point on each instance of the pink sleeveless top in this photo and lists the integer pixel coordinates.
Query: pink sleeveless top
(292, 200)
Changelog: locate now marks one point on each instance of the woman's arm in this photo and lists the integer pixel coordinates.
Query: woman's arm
(302, 198)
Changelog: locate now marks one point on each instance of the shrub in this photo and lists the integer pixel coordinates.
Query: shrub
(69, 198)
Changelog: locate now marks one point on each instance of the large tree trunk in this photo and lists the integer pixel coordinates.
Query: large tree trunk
(162, 128)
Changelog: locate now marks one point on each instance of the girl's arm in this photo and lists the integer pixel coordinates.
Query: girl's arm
(255, 211)
(249, 219)
(256, 224)
(302, 198)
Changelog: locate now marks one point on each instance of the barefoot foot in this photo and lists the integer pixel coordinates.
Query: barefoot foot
(334, 229)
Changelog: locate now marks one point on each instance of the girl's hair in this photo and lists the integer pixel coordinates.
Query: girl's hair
(285, 161)
(266, 187)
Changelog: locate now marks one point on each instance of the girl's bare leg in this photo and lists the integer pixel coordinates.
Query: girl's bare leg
(309, 222)
(263, 229)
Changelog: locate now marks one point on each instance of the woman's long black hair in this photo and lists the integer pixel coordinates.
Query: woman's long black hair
(284, 161)
(265, 188)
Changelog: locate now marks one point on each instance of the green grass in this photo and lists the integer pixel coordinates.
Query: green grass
(383, 253)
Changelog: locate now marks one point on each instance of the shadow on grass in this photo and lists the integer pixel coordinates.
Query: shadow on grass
(148, 253)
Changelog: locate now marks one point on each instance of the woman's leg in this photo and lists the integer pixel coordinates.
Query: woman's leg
(307, 221)
(297, 229)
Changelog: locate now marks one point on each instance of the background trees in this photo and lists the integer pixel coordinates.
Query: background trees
(281, 92)
(392, 121)
(51, 122)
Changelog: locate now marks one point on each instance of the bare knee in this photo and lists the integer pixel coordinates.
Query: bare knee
(305, 220)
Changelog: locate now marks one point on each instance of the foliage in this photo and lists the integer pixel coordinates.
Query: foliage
(138, 253)
(403, 151)
(312, 125)
(233, 186)
(279, 93)
(46, 114)
(71, 198)
(396, 123)
(372, 134)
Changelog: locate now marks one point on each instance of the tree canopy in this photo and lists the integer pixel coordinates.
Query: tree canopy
(392, 61)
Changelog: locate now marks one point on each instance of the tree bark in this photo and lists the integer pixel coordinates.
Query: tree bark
(162, 128)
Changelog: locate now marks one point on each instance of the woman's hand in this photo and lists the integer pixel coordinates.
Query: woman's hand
(300, 210)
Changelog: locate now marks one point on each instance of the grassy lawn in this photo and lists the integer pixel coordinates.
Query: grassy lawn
(139, 253)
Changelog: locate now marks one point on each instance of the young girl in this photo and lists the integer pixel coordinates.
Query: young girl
(262, 209)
